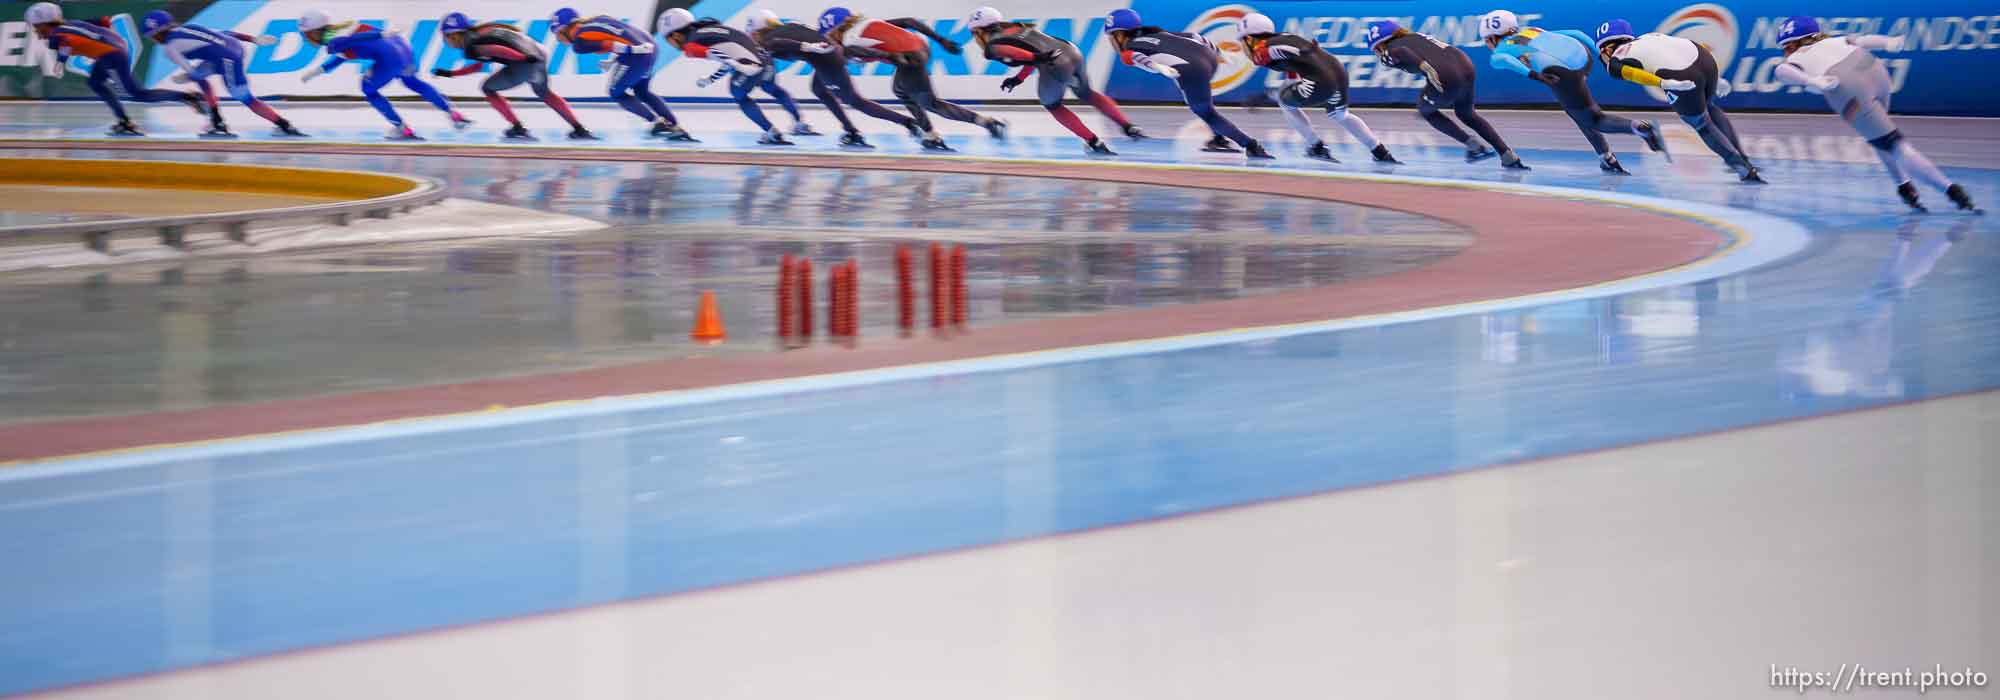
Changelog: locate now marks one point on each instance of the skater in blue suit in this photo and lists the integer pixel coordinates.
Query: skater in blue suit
(631, 55)
(202, 53)
(1562, 60)
(390, 60)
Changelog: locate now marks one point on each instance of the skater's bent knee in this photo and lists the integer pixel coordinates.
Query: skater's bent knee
(1886, 142)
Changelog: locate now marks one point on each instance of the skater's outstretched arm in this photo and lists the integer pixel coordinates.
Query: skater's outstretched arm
(1791, 74)
(1511, 57)
(1877, 42)
(918, 26)
(1402, 57)
(1003, 52)
(178, 59)
(1009, 84)
(1628, 70)
(502, 54)
(1164, 63)
(466, 69)
(781, 45)
(869, 53)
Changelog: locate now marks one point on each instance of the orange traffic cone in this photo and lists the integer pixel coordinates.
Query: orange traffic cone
(708, 321)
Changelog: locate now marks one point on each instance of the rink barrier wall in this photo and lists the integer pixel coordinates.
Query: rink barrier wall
(369, 195)
(1944, 68)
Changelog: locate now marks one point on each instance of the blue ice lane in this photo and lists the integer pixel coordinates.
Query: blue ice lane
(137, 570)
(193, 561)
(145, 569)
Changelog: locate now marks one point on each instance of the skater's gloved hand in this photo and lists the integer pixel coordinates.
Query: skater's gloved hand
(266, 40)
(311, 73)
(608, 64)
(1824, 83)
(950, 46)
(817, 47)
(632, 48)
(704, 81)
(1169, 71)
(1895, 45)
(1672, 85)
(440, 72)
(1723, 88)
(1009, 84)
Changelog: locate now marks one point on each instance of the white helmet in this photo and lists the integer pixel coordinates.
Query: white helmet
(1498, 23)
(761, 19)
(312, 20)
(43, 13)
(1253, 24)
(673, 20)
(984, 17)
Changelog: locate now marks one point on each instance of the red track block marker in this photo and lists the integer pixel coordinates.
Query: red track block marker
(958, 290)
(853, 298)
(937, 286)
(805, 286)
(906, 292)
(787, 298)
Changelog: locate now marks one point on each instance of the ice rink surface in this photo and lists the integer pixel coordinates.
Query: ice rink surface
(1661, 493)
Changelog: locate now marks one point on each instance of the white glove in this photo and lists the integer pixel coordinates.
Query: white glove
(392, 32)
(632, 48)
(704, 81)
(608, 63)
(1895, 45)
(1167, 71)
(266, 40)
(1672, 85)
(1723, 88)
(817, 47)
(1824, 83)
(311, 73)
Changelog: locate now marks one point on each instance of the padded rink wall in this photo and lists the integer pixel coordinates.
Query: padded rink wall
(1948, 67)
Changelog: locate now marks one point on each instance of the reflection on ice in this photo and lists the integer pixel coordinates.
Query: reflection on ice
(1857, 356)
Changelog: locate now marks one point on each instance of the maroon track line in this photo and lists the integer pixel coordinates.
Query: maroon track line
(1539, 244)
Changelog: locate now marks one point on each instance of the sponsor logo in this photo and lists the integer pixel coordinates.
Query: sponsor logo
(1218, 27)
(1707, 24)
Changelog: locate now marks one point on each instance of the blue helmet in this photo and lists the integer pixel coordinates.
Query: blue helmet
(1121, 19)
(563, 18)
(1613, 30)
(454, 23)
(1797, 28)
(833, 17)
(156, 21)
(1379, 32)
